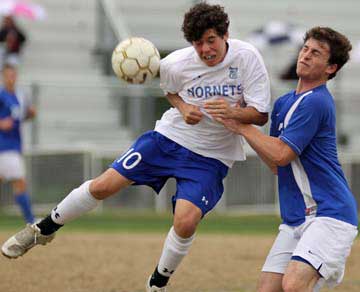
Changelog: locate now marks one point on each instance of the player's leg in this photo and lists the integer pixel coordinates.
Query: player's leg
(199, 188)
(320, 254)
(78, 202)
(270, 282)
(138, 165)
(275, 265)
(83, 199)
(22, 198)
(12, 169)
(178, 242)
(300, 277)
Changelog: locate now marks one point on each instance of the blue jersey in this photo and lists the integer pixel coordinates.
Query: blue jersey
(314, 183)
(10, 107)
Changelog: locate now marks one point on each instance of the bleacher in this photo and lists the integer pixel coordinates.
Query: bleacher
(75, 101)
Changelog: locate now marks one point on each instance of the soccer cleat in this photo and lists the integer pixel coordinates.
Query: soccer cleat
(18, 244)
(154, 288)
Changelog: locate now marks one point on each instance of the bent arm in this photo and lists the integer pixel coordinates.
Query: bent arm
(271, 149)
(250, 115)
(191, 113)
(221, 109)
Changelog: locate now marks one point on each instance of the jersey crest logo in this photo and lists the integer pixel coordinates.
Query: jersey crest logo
(206, 202)
(233, 72)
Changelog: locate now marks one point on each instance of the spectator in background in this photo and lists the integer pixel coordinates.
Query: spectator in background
(14, 109)
(12, 39)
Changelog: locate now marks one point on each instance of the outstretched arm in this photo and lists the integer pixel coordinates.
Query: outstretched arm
(221, 109)
(271, 150)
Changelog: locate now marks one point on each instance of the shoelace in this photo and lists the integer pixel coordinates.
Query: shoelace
(35, 234)
(35, 237)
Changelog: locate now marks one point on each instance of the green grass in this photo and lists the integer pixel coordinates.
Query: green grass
(126, 221)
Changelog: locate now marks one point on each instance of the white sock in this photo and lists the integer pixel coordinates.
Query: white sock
(75, 204)
(175, 248)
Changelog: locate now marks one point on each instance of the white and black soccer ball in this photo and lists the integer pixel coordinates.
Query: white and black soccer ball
(136, 60)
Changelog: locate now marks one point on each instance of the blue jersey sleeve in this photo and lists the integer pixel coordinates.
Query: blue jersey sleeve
(273, 120)
(274, 126)
(304, 123)
(4, 108)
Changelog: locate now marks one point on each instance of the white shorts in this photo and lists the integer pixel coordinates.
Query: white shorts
(11, 165)
(322, 241)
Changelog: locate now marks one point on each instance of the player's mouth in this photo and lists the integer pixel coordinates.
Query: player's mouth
(303, 63)
(208, 58)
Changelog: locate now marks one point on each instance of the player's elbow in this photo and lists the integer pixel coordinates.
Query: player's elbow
(283, 154)
(274, 169)
(283, 159)
(262, 119)
(282, 162)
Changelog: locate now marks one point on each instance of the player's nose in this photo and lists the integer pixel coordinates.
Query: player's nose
(205, 48)
(306, 55)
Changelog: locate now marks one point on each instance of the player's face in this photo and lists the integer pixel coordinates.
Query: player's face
(211, 48)
(9, 76)
(313, 61)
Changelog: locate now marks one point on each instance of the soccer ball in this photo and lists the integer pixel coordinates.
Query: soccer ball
(135, 60)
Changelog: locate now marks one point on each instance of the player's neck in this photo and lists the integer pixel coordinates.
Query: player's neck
(306, 85)
(10, 89)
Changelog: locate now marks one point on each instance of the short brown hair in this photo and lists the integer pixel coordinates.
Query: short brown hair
(202, 17)
(339, 45)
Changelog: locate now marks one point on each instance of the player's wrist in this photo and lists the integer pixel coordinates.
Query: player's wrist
(236, 113)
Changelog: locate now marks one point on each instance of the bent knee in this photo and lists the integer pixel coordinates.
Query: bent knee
(19, 186)
(184, 227)
(101, 189)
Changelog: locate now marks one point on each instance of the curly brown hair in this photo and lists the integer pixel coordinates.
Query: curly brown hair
(339, 45)
(202, 17)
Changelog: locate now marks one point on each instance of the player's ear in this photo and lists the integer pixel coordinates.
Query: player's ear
(331, 68)
(226, 36)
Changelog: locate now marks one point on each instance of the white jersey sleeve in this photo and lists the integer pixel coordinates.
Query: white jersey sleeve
(170, 81)
(255, 81)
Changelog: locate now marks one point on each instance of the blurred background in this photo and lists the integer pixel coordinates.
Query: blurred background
(87, 117)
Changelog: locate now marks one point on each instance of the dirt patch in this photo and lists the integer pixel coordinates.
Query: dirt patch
(89, 262)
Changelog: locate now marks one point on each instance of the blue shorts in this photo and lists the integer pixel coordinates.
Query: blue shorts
(153, 158)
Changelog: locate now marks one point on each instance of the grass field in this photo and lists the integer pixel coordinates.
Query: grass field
(115, 252)
(135, 221)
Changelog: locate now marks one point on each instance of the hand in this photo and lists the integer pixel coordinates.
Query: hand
(6, 124)
(220, 108)
(191, 113)
(31, 113)
(233, 125)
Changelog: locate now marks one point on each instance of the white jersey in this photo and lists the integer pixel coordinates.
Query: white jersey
(240, 78)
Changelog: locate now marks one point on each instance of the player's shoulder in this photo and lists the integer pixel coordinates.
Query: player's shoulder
(283, 98)
(178, 58)
(319, 97)
(3, 94)
(243, 49)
